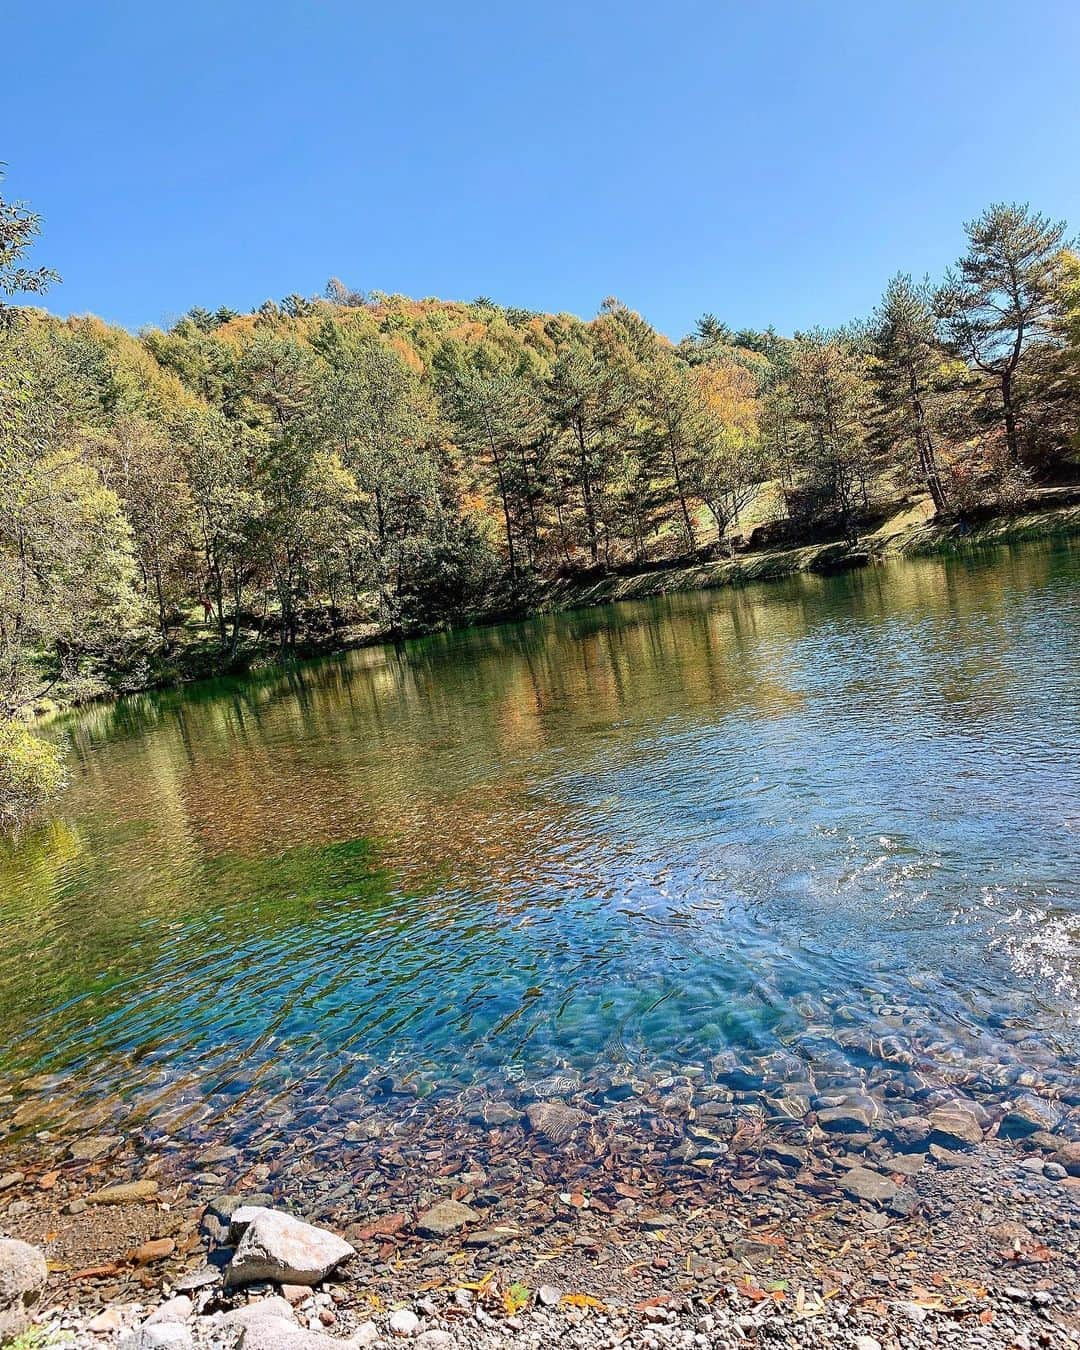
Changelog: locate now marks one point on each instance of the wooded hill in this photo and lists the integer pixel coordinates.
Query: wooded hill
(318, 463)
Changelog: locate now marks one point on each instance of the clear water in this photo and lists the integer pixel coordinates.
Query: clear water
(818, 824)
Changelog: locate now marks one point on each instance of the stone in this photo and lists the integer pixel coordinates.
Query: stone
(948, 1157)
(159, 1336)
(788, 1154)
(866, 1185)
(93, 1146)
(907, 1164)
(23, 1273)
(444, 1218)
(10, 1179)
(867, 1343)
(1068, 1156)
(404, 1323)
(279, 1333)
(435, 1339)
(548, 1295)
(843, 1119)
(554, 1120)
(177, 1309)
(956, 1124)
(126, 1193)
(910, 1131)
(1027, 1116)
(274, 1306)
(198, 1279)
(367, 1333)
(275, 1246)
(109, 1319)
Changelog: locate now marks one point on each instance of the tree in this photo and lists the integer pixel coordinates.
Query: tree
(906, 346)
(831, 403)
(1002, 297)
(18, 228)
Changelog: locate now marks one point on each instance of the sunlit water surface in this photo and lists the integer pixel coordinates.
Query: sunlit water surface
(810, 823)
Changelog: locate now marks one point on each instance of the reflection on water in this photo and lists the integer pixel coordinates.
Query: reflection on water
(796, 818)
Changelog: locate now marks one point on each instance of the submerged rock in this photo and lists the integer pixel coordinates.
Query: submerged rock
(956, 1124)
(275, 1246)
(445, 1218)
(866, 1185)
(554, 1120)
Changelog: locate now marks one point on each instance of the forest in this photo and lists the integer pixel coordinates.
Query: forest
(241, 487)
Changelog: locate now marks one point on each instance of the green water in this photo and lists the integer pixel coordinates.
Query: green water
(827, 827)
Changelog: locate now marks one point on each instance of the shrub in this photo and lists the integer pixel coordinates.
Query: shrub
(31, 771)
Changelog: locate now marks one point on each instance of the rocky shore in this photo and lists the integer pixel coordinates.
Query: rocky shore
(671, 1211)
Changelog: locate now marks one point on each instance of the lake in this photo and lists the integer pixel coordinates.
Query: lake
(819, 833)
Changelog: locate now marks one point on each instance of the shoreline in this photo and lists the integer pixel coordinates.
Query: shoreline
(910, 538)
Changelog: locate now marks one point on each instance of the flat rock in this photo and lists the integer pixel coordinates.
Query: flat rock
(275, 1246)
(554, 1120)
(126, 1193)
(866, 1185)
(279, 1333)
(788, 1154)
(445, 1218)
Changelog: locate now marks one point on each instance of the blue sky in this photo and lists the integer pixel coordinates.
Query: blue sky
(768, 162)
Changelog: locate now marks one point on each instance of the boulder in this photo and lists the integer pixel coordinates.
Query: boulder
(23, 1273)
(445, 1218)
(275, 1246)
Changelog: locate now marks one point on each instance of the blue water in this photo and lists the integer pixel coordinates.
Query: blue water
(826, 826)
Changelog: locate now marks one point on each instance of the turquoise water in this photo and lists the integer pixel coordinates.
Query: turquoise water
(826, 828)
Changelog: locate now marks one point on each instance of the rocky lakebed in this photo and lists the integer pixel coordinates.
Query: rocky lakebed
(692, 1208)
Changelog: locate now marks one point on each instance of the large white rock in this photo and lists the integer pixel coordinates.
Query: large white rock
(23, 1273)
(275, 1246)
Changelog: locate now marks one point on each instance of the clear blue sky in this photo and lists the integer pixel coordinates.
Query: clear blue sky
(770, 162)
